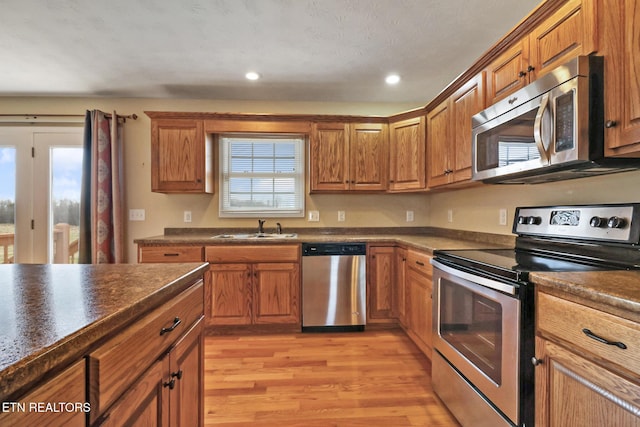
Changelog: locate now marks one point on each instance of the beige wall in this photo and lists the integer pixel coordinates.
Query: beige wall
(473, 209)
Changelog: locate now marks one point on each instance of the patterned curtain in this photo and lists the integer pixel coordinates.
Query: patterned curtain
(101, 218)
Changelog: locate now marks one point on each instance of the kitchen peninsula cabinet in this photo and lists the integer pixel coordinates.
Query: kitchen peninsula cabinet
(619, 40)
(419, 285)
(380, 268)
(449, 133)
(253, 284)
(181, 157)
(570, 31)
(580, 380)
(349, 157)
(407, 153)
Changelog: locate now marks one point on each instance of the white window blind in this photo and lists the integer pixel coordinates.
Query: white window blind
(262, 176)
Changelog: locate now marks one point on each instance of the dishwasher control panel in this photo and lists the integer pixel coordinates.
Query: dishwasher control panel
(318, 249)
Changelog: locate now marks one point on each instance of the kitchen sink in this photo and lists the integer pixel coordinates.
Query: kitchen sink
(265, 236)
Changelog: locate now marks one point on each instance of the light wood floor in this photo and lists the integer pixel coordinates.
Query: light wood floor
(373, 378)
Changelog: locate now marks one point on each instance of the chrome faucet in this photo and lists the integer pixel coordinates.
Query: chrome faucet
(278, 228)
(261, 226)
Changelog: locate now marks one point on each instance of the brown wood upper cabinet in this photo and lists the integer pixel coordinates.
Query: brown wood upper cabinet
(449, 134)
(569, 32)
(619, 40)
(348, 157)
(407, 154)
(181, 157)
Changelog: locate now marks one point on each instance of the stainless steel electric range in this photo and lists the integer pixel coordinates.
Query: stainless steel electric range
(483, 305)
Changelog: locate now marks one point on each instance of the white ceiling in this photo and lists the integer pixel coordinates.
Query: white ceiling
(306, 50)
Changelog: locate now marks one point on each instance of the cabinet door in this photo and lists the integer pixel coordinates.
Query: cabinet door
(381, 276)
(399, 297)
(146, 403)
(228, 294)
(419, 288)
(620, 40)
(573, 391)
(368, 156)
(438, 142)
(276, 296)
(180, 159)
(329, 157)
(569, 32)
(187, 371)
(508, 72)
(407, 154)
(465, 102)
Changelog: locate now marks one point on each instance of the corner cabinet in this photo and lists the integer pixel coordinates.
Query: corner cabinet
(619, 40)
(407, 153)
(253, 284)
(568, 32)
(581, 380)
(449, 134)
(181, 157)
(348, 157)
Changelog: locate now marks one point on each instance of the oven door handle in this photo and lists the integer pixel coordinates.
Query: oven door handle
(489, 283)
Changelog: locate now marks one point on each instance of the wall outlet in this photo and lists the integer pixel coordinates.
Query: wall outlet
(502, 217)
(187, 216)
(409, 216)
(341, 216)
(449, 215)
(136, 214)
(314, 216)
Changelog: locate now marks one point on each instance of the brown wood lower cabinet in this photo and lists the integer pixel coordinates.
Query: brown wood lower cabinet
(253, 284)
(418, 299)
(399, 290)
(380, 271)
(579, 380)
(170, 392)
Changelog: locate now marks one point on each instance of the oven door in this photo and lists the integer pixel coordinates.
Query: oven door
(476, 329)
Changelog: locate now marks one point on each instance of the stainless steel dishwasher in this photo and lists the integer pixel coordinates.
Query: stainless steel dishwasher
(333, 287)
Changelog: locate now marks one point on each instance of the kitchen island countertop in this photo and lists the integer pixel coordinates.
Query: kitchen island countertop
(50, 315)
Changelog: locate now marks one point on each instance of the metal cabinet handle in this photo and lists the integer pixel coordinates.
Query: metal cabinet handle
(171, 254)
(535, 361)
(522, 73)
(171, 384)
(420, 263)
(177, 375)
(176, 322)
(530, 68)
(593, 336)
(610, 124)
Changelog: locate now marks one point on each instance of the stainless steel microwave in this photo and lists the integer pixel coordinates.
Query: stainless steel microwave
(550, 130)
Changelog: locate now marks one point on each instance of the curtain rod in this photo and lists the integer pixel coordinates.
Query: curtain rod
(59, 117)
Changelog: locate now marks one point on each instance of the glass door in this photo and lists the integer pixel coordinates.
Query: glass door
(40, 179)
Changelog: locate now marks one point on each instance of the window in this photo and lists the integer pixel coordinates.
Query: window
(262, 175)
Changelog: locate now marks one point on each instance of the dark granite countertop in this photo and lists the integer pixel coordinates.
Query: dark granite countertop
(615, 292)
(423, 238)
(50, 315)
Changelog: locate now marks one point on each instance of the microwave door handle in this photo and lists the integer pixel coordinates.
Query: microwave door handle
(537, 128)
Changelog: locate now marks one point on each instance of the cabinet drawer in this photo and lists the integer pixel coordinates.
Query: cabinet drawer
(68, 387)
(115, 365)
(566, 320)
(170, 254)
(252, 253)
(419, 261)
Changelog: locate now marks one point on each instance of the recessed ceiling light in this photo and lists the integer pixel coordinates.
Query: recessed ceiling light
(252, 75)
(392, 79)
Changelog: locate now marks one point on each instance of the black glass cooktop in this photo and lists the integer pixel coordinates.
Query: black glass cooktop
(509, 264)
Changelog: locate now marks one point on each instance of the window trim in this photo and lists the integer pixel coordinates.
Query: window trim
(300, 183)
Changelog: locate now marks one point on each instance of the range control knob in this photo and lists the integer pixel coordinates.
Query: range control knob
(522, 220)
(598, 222)
(534, 220)
(616, 222)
